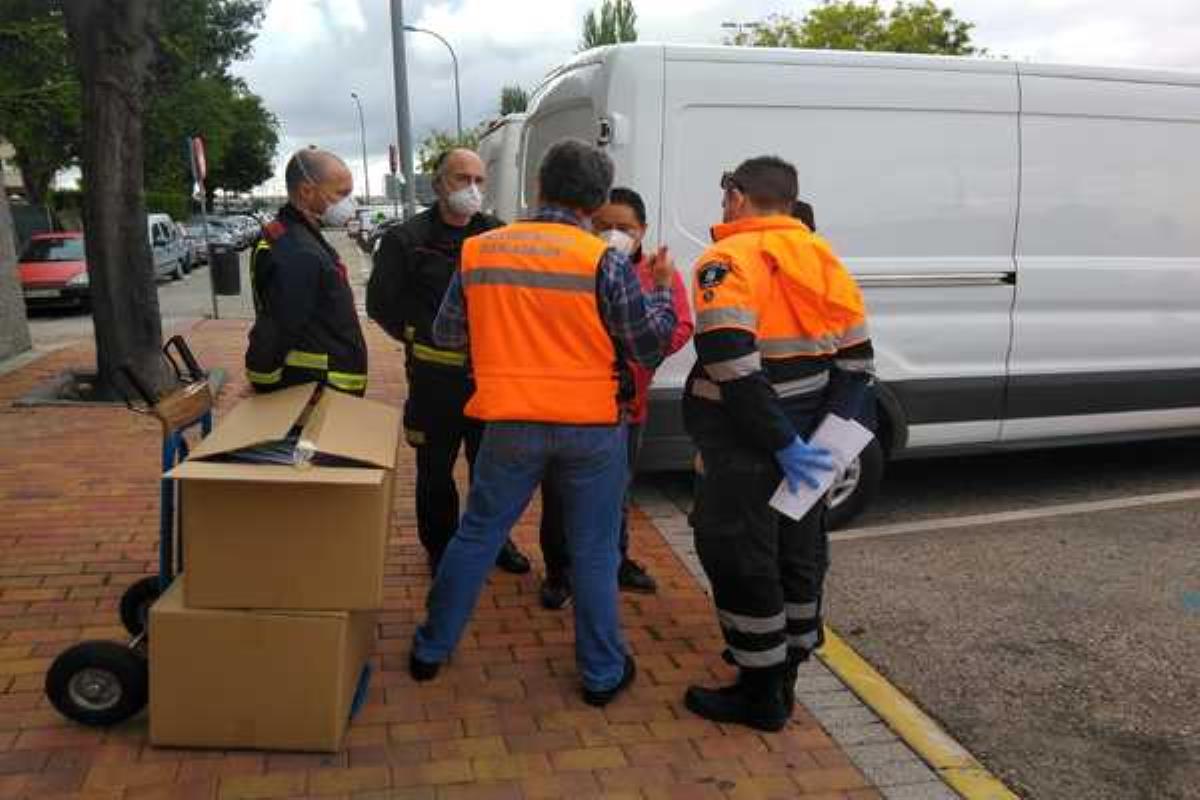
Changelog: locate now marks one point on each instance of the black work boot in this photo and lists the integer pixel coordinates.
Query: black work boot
(791, 672)
(512, 560)
(756, 700)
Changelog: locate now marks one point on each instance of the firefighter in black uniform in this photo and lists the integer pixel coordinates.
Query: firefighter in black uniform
(781, 342)
(414, 263)
(306, 328)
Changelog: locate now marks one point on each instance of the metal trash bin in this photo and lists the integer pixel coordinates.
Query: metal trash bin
(226, 273)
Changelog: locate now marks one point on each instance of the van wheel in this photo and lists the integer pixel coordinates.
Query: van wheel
(177, 275)
(856, 489)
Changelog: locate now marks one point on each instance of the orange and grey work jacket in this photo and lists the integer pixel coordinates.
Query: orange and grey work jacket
(781, 338)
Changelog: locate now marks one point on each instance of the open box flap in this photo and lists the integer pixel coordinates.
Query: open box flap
(257, 419)
(354, 428)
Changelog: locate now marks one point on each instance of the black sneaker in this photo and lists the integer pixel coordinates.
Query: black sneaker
(422, 670)
(606, 696)
(632, 577)
(555, 593)
(512, 560)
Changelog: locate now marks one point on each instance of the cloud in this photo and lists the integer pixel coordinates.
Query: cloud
(312, 53)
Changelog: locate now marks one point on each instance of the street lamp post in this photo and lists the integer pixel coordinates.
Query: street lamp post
(740, 27)
(453, 58)
(362, 127)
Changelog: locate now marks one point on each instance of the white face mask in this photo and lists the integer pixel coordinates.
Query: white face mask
(466, 202)
(339, 213)
(620, 241)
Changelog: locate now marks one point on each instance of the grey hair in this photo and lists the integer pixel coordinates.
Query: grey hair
(575, 175)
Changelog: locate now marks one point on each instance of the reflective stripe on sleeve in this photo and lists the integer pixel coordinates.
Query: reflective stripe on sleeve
(303, 360)
(265, 378)
(734, 368)
(713, 318)
(448, 358)
(347, 381)
(802, 386)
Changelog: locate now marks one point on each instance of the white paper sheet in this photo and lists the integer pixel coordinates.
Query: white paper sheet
(844, 439)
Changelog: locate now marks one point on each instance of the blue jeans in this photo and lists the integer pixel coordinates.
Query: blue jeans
(588, 463)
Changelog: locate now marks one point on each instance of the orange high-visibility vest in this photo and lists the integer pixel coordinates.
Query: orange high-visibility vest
(773, 277)
(539, 350)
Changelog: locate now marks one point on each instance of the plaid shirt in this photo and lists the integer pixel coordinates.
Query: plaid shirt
(640, 323)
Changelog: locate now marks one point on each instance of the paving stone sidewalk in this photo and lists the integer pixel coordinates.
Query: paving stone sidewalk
(78, 523)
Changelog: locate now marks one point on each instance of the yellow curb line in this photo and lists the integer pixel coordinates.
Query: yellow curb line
(958, 768)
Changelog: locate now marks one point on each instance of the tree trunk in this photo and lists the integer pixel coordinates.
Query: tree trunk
(114, 46)
(36, 178)
(14, 329)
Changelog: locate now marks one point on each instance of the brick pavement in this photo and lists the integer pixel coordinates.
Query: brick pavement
(78, 523)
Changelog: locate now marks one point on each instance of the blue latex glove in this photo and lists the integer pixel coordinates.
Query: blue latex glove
(801, 461)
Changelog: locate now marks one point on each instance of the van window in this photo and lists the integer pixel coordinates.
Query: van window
(576, 120)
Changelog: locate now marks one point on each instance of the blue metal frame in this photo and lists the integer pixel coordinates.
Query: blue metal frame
(175, 451)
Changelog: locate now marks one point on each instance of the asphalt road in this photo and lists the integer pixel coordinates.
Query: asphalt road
(1062, 651)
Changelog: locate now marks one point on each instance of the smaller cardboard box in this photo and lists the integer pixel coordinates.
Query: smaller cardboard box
(271, 680)
(278, 536)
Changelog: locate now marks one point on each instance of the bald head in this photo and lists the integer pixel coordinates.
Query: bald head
(313, 166)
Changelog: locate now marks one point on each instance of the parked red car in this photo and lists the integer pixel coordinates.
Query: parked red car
(53, 270)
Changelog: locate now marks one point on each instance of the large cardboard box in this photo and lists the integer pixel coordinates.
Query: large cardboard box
(273, 680)
(269, 536)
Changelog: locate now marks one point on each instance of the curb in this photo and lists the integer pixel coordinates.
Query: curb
(958, 768)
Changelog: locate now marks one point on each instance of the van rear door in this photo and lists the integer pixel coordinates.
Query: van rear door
(1108, 303)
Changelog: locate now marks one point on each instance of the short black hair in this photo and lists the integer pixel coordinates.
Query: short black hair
(804, 212)
(769, 182)
(624, 196)
(575, 175)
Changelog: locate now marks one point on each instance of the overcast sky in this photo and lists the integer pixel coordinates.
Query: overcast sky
(312, 53)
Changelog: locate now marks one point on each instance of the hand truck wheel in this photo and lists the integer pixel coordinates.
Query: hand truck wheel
(98, 683)
(136, 602)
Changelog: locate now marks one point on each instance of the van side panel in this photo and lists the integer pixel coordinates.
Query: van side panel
(1107, 318)
(913, 176)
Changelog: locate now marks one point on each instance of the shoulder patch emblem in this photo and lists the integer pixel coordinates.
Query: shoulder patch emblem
(712, 274)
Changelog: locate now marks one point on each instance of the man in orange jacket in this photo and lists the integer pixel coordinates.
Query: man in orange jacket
(781, 342)
(548, 306)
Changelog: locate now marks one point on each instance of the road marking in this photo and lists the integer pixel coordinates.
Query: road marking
(950, 760)
(1000, 518)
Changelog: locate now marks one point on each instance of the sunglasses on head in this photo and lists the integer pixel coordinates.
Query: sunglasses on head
(729, 182)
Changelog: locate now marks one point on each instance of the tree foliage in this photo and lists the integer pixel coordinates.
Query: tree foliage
(913, 27)
(39, 93)
(192, 93)
(615, 22)
(438, 142)
(513, 100)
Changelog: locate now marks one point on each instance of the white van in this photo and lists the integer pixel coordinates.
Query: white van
(167, 246)
(499, 147)
(1027, 236)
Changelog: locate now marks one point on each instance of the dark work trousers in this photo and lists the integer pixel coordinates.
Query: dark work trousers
(766, 570)
(552, 530)
(435, 426)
